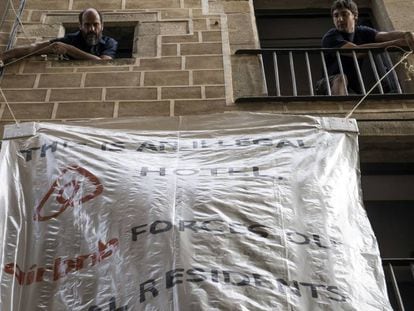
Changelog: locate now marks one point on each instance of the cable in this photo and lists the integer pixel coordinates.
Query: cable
(378, 82)
(18, 17)
(8, 106)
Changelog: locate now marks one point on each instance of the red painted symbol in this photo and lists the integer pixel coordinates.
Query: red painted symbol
(67, 194)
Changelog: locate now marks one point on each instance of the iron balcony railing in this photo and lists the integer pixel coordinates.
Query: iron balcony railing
(291, 74)
(399, 274)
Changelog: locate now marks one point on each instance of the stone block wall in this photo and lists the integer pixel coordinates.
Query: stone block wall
(177, 68)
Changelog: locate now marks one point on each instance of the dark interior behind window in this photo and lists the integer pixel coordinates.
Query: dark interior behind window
(124, 35)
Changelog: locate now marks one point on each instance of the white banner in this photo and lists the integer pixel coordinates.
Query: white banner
(220, 212)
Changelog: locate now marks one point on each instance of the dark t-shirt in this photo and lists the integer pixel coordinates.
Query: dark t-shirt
(336, 39)
(106, 45)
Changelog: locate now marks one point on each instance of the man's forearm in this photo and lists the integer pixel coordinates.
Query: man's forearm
(383, 36)
(47, 48)
(24, 51)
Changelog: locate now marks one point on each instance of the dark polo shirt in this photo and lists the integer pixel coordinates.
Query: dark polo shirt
(336, 39)
(106, 45)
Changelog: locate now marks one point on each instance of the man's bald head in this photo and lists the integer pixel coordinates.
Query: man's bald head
(90, 11)
(91, 26)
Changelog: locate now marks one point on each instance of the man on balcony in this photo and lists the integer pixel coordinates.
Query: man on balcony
(88, 43)
(347, 34)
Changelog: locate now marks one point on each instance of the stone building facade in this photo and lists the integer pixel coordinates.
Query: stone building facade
(183, 62)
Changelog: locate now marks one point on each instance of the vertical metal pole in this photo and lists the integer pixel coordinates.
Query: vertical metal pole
(341, 70)
(264, 72)
(358, 70)
(309, 73)
(276, 67)
(325, 73)
(394, 74)
(396, 290)
(292, 73)
(375, 71)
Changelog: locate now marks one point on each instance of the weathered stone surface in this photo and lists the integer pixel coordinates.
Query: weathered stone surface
(204, 62)
(214, 23)
(199, 24)
(215, 92)
(113, 79)
(192, 107)
(44, 30)
(103, 70)
(236, 6)
(147, 46)
(36, 16)
(261, 106)
(110, 18)
(201, 48)
(311, 107)
(24, 95)
(169, 50)
(144, 108)
(4, 36)
(48, 4)
(77, 94)
(248, 79)
(178, 39)
(192, 3)
(175, 13)
(237, 22)
(12, 68)
(131, 94)
(180, 92)
(29, 111)
(43, 67)
(101, 4)
(147, 29)
(174, 28)
(92, 63)
(34, 67)
(60, 80)
(17, 81)
(211, 36)
(160, 78)
(164, 63)
(208, 77)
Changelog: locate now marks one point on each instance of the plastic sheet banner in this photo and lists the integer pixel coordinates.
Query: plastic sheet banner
(219, 212)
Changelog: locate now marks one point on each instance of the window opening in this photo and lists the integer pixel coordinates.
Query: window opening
(123, 34)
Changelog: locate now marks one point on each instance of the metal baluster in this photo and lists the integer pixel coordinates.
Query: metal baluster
(375, 71)
(412, 270)
(309, 73)
(395, 287)
(394, 74)
(292, 73)
(358, 70)
(341, 70)
(264, 73)
(325, 72)
(276, 67)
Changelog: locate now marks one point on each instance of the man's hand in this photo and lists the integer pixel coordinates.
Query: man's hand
(409, 38)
